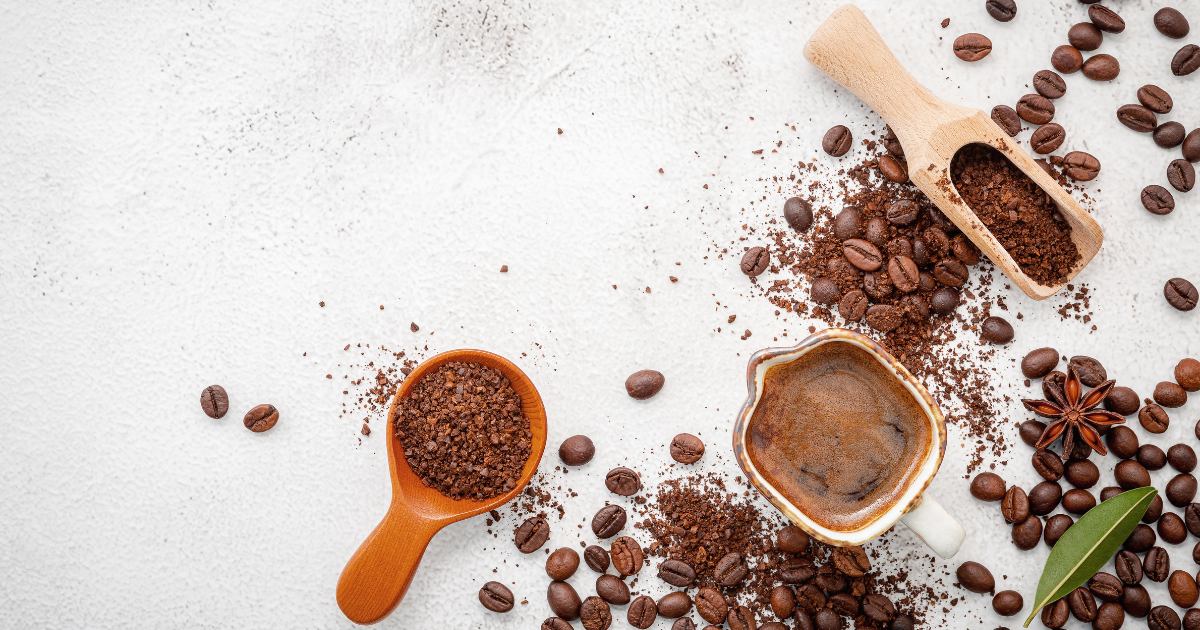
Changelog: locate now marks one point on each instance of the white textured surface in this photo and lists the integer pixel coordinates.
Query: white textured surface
(180, 184)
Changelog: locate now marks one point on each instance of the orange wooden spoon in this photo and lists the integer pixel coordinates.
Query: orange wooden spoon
(378, 574)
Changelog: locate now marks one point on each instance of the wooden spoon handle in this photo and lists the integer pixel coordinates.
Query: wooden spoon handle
(378, 574)
(848, 49)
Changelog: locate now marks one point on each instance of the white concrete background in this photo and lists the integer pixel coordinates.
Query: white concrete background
(181, 183)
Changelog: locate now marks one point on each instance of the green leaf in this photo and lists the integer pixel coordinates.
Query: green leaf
(1088, 544)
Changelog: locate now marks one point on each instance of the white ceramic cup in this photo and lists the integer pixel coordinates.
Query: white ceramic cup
(920, 513)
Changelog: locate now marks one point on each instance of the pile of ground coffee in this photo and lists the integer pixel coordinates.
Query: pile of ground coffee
(463, 431)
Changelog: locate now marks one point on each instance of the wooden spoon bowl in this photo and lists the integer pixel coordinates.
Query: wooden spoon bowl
(848, 49)
(379, 573)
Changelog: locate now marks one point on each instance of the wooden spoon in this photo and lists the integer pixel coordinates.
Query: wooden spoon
(378, 574)
(848, 49)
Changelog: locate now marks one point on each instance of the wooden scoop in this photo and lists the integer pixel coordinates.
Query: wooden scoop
(378, 574)
(848, 49)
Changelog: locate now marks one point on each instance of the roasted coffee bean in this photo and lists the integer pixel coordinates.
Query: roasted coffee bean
(877, 285)
(556, 623)
(595, 614)
(852, 561)
(1137, 118)
(1155, 99)
(1039, 363)
(798, 214)
(1035, 108)
(612, 589)
(951, 273)
(1049, 84)
(1151, 457)
(1106, 587)
(1047, 138)
(1131, 474)
(1163, 618)
(1101, 67)
(810, 598)
(686, 623)
(1056, 526)
(1187, 374)
(1186, 60)
(837, 141)
(1181, 294)
(261, 418)
(988, 486)
(1170, 22)
(904, 273)
(829, 580)
(710, 603)
(853, 305)
(893, 169)
(902, 212)
(1191, 619)
(1182, 587)
(944, 301)
(1105, 19)
(844, 603)
(563, 600)
(608, 521)
(532, 534)
(1141, 539)
(1136, 601)
(1182, 457)
(1085, 36)
(1109, 492)
(1044, 497)
(1109, 616)
(1002, 10)
(826, 619)
(878, 608)
(626, 555)
(1171, 529)
(972, 47)
(676, 573)
(1082, 604)
(847, 224)
(901, 622)
(1089, 370)
(1154, 511)
(1122, 442)
(1157, 200)
(214, 401)
(642, 613)
(1048, 465)
(1181, 175)
(1066, 59)
(1170, 394)
(576, 450)
(892, 143)
(1078, 501)
(1031, 431)
(730, 569)
(937, 239)
(642, 385)
(1015, 505)
(1156, 566)
(596, 558)
(1169, 135)
(899, 246)
(1122, 400)
(862, 254)
(741, 618)
(1082, 473)
(794, 571)
(1128, 567)
(562, 564)
(1081, 166)
(623, 481)
(964, 250)
(1154, 419)
(1027, 533)
(884, 317)
(1181, 489)
(824, 291)
(975, 577)
(877, 231)
(792, 539)
(1007, 119)
(686, 448)
(674, 605)
(783, 601)
(1191, 146)
(1056, 614)
(496, 597)
(754, 262)
(1081, 450)
(1007, 603)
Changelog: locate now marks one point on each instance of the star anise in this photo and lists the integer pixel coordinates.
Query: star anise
(1073, 415)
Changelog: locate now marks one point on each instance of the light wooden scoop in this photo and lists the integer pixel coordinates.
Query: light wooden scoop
(379, 573)
(848, 49)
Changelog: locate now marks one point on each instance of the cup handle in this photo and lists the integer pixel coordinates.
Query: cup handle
(934, 525)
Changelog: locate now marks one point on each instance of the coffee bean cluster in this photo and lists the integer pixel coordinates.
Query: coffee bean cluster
(214, 401)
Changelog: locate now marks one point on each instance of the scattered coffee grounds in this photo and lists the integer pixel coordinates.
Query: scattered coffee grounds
(1021, 216)
(463, 431)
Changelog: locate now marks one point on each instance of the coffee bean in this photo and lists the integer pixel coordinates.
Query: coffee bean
(1007, 119)
(1157, 200)
(1056, 526)
(596, 558)
(975, 577)
(862, 254)
(893, 169)
(496, 597)
(261, 418)
(851, 561)
(1044, 497)
(1131, 474)
(1101, 67)
(1078, 501)
(1182, 457)
(1170, 22)
(673, 605)
(964, 250)
(741, 618)
(1181, 489)
(904, 273)
(562, 564)
(642, 612)
(1031, 431)
(827, 619)
(1002, 10)
(1137, 118)
(1047, 138)
(1081, 166)
(623, 481)
(595, 614)
(1186, 60)
(1082, 473)
(676, 573)
(644, 384)
(951, 273)
(972, 47)
(1109, 492)
(853, 305)
(1035, 108)
(1181, 294)
(1182, 587)
(1191, 619)
(844, 604)
(1181, 175)
(730, 569)
(1187, 374)
(1151, 457)
(877, 285)
(847, 224)
(1007, 603)
(608, 522)
(563, 600)
(1171, 529)
(1128, 567)
(686, 623)
(1154, 511)
(792, 539)
(1109, 616)
(1141, 539)
(576, 450)
(824, 291)
(1085, 36)
(1049, 84)
(1027, 533)
(1039, 363)
(829, 580)
(837, 141)
(798, 214)
(214, 401)
(988, 486)
(1082, 604)
(1191, 146)
(1154, 419)
(810, 598)
(783, 601)
(1015, 505)
(626, 556)
(1056, 614)
(884, 317)
(1163, 618)
(1155, 99)
(892, 143)
(901, 622)
(612, 589)
(686, 448)
(902, 212)
(1122, 400)
(755, 261)
(710, 603)
(556, 623)
(944, 301)
(1105, 19)
(532, 534)
(1136, 601)
(1169, 135)
(1170, 394)
(1048, 465)
(1090, 371)
(1106, 587)
(1156, 566)
(996, 330)
(1066, 59)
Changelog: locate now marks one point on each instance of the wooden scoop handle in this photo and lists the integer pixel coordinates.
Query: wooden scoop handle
(377, 576)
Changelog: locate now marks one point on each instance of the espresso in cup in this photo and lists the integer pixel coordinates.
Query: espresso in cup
(839, 435)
